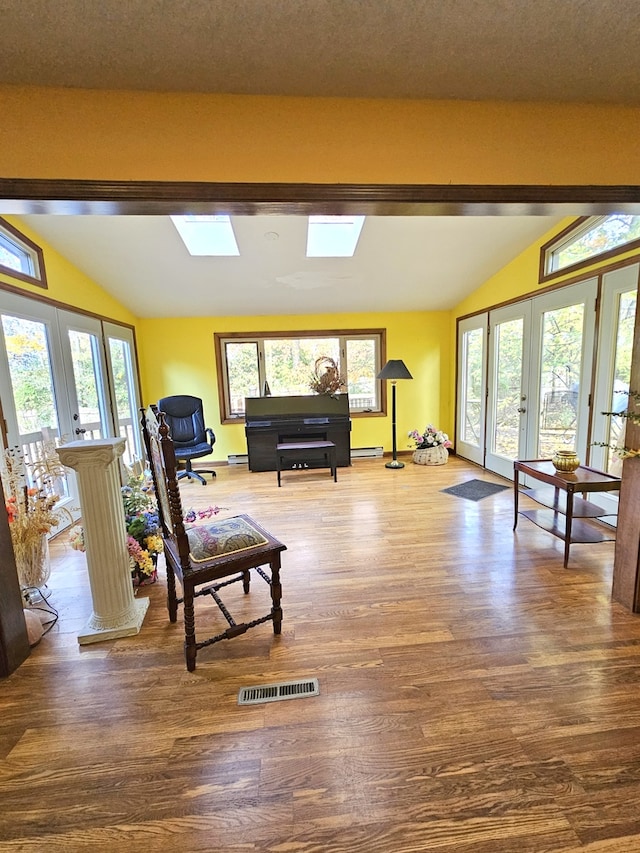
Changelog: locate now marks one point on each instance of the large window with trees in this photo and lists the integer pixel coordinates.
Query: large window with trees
(282, 364)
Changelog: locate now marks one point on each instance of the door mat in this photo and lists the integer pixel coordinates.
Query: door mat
(474, 490)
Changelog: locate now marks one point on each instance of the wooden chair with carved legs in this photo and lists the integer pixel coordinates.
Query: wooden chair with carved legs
(206, 558)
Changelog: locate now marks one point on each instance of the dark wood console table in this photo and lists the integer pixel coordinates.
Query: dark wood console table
(563, 501)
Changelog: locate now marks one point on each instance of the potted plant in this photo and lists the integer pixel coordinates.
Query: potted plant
(631, 415)
(431, 446)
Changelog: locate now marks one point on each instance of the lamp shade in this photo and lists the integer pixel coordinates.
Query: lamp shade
(395, 368)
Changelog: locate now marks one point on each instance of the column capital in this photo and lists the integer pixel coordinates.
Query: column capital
(98, 452)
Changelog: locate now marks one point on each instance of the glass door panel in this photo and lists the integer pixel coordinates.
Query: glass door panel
(471, 388)
(89, 417)
(615, 433)
(85, 369)
(124, 387)
(31, 375)
(562, 340)
(619, 305)
(33, 393)
(561, 360)
(504, 441)
(507, 392)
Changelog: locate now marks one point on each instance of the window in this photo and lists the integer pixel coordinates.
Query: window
(282, 364)
(20, 257)
(588, 238)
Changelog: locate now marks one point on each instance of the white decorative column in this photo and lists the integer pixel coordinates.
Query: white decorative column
(116, 612)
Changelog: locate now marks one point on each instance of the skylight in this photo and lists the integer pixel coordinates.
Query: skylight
(333, 236)
(207, 235)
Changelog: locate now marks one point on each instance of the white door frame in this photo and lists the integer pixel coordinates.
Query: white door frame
(585, 292)
(472, 450)
(496, 462)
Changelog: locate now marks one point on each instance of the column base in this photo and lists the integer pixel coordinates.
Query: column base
(128, 629)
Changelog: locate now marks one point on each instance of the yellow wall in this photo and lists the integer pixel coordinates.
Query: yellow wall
(520, 277)
(517, 278)
(125, 136)
(66, 283)
(177, 356)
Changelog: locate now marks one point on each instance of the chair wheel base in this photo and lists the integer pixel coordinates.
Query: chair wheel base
(195, 475)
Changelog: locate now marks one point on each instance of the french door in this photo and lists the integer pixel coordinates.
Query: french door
(64, 377)
(537, 379)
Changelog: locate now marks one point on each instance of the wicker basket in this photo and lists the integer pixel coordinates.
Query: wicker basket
(438, 455)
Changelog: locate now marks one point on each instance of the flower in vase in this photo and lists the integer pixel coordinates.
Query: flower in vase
(431, 437)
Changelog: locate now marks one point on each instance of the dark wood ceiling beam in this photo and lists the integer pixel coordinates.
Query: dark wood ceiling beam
(27, 196)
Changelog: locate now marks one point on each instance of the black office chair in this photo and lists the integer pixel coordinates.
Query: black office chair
(191, 439)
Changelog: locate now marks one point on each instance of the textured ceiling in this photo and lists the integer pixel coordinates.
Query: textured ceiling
(560, 50)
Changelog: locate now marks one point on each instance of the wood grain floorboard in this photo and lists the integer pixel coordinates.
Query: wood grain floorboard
(475, 697)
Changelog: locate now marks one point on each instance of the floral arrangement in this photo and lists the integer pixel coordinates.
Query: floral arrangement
(31, 512)
(144, 537)
(326, 376)
(144, 540)
(431, 437)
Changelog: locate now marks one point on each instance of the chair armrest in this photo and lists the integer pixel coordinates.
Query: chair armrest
(211, 435)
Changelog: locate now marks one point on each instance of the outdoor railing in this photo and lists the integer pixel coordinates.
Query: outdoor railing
(34, 450)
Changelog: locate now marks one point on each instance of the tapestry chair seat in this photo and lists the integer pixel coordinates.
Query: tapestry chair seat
(207, 558)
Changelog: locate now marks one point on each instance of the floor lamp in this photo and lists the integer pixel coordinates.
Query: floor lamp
(394, 369)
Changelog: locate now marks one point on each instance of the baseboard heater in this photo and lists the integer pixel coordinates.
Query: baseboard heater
(238, 459)
(361, 452)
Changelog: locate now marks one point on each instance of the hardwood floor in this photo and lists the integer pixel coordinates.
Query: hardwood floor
(474, 695)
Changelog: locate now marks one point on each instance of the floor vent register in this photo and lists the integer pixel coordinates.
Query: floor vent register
(276, 692)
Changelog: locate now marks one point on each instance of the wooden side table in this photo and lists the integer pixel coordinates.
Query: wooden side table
(563, 502)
